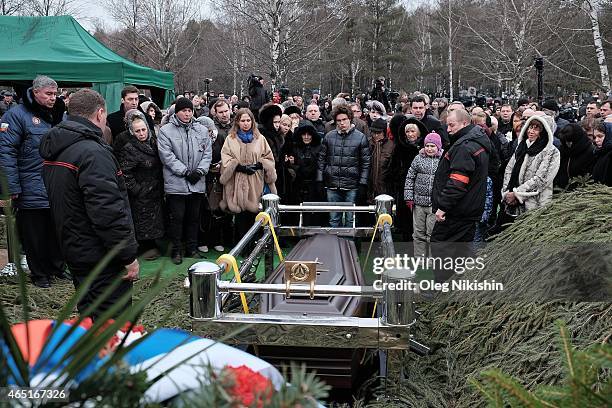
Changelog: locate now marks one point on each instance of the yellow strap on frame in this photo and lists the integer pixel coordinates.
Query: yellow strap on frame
(230, 261)
(267, 220)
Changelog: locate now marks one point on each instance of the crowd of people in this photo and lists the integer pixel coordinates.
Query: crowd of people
(85, 182)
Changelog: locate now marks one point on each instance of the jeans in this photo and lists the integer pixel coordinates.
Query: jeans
(424, 222)
(341, 196)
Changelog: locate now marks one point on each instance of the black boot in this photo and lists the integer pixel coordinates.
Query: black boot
(42, 282)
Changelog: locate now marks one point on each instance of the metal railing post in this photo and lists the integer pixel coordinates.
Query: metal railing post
(204, 299)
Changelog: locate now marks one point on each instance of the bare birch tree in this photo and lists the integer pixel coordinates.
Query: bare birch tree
(592, 8)
(11, 7)
(52, 7)
(155, 31)
(289, 28)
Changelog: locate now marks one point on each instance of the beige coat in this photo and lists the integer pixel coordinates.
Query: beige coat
(537, 173)
(242, 192)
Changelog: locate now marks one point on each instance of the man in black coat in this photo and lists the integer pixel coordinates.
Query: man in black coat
(459, 189)
(344, 164)
(222, 117)
(313, 114)
(551, 108)
(418, 107)
(129, 100)
(259, 95)
(577, 156)
(89, 202)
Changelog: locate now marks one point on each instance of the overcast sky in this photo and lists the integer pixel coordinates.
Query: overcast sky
(90, 12)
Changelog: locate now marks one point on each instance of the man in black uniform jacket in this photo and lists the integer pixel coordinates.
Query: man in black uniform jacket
(89, 201)
(459, 189)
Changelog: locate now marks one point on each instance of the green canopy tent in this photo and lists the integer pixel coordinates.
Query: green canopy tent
(60, 48)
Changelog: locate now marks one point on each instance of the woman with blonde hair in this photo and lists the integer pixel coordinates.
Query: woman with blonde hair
(247, 170)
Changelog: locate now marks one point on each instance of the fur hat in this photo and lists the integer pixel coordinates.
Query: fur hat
(410, 119)
(434, 138)
(183, 103)
(395, 124)
(268, 112)
(306, 127)
(292, 109)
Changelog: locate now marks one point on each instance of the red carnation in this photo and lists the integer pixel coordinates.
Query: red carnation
(249, 387)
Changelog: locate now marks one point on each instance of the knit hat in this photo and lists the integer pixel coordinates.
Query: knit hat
(378, 107)
(379, 125)
(434, 138)
(182, 103)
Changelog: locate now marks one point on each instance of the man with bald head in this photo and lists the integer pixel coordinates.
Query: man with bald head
(459, 188)
(313, 114)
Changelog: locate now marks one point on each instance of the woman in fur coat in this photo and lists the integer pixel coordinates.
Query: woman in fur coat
(247, 171)
(528, 180)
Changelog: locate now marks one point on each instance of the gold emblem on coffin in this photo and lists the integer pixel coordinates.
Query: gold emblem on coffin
(300, 272)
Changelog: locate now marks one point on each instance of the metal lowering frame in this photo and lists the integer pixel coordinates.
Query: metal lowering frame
(389, 332)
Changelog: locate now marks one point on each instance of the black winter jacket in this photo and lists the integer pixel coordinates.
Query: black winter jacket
(602, 169)
(576, 160)
(460, 184)
(434, 125)
(319, 126)
(223, 130)
(306, 159)
(87, 194)
(259, 97)
(277, 143)
(344, 160)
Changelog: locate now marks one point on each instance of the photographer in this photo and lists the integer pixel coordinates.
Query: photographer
(380, 93)
(259, 96)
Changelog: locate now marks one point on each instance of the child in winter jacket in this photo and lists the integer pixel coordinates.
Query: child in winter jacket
(417, 191)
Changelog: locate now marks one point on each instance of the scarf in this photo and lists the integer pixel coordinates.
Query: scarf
(522, 150)
(246, 137)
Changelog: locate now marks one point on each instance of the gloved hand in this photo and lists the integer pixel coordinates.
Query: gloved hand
(362, 192)
(248, 170)
(410, 204)
(193, 176)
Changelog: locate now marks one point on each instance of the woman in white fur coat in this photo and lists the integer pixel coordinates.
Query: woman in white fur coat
(528, 179)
